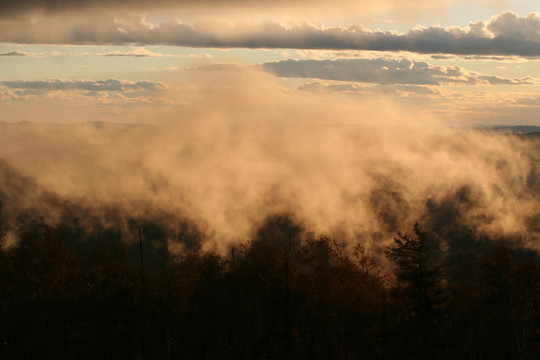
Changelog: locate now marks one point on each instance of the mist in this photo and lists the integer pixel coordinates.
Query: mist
(245, 149)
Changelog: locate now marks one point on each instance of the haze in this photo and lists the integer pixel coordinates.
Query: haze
(356, 119)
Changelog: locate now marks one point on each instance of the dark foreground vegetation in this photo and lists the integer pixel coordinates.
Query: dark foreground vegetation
(282, 295)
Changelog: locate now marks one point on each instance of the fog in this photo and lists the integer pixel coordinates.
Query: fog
(246, 148)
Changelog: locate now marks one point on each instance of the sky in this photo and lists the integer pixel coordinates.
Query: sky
(357, 118)
(468, 64)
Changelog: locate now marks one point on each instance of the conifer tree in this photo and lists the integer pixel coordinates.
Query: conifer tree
(418, 290)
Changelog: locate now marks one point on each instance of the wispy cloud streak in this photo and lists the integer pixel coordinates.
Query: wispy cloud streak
(139, 52)
(14, 53)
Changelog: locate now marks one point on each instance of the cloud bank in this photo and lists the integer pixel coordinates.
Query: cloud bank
(506, 34)
(90, 85)
(17, 8)
(385, 71)
(62, 89)
(246, 149)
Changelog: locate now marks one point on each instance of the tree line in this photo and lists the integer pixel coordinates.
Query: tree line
(283, 294)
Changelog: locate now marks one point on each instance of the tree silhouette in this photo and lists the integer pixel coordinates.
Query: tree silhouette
(283, 293)
(417, 291)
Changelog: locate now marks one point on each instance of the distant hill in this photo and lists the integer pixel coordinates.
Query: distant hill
(518, 129)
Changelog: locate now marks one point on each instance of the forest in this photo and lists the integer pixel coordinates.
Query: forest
(260, 179)
(285, 293)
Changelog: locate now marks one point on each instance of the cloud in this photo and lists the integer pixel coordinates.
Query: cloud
(445, 103)
(319, 87)
(385, 71)
(90, 85)
(246, 148)
(98, 91)
(510, 25)
(138, 52)
(142, 52)
(18, 8)
(42, 54)
(480, 58)
(14, 53)
(489, 38)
